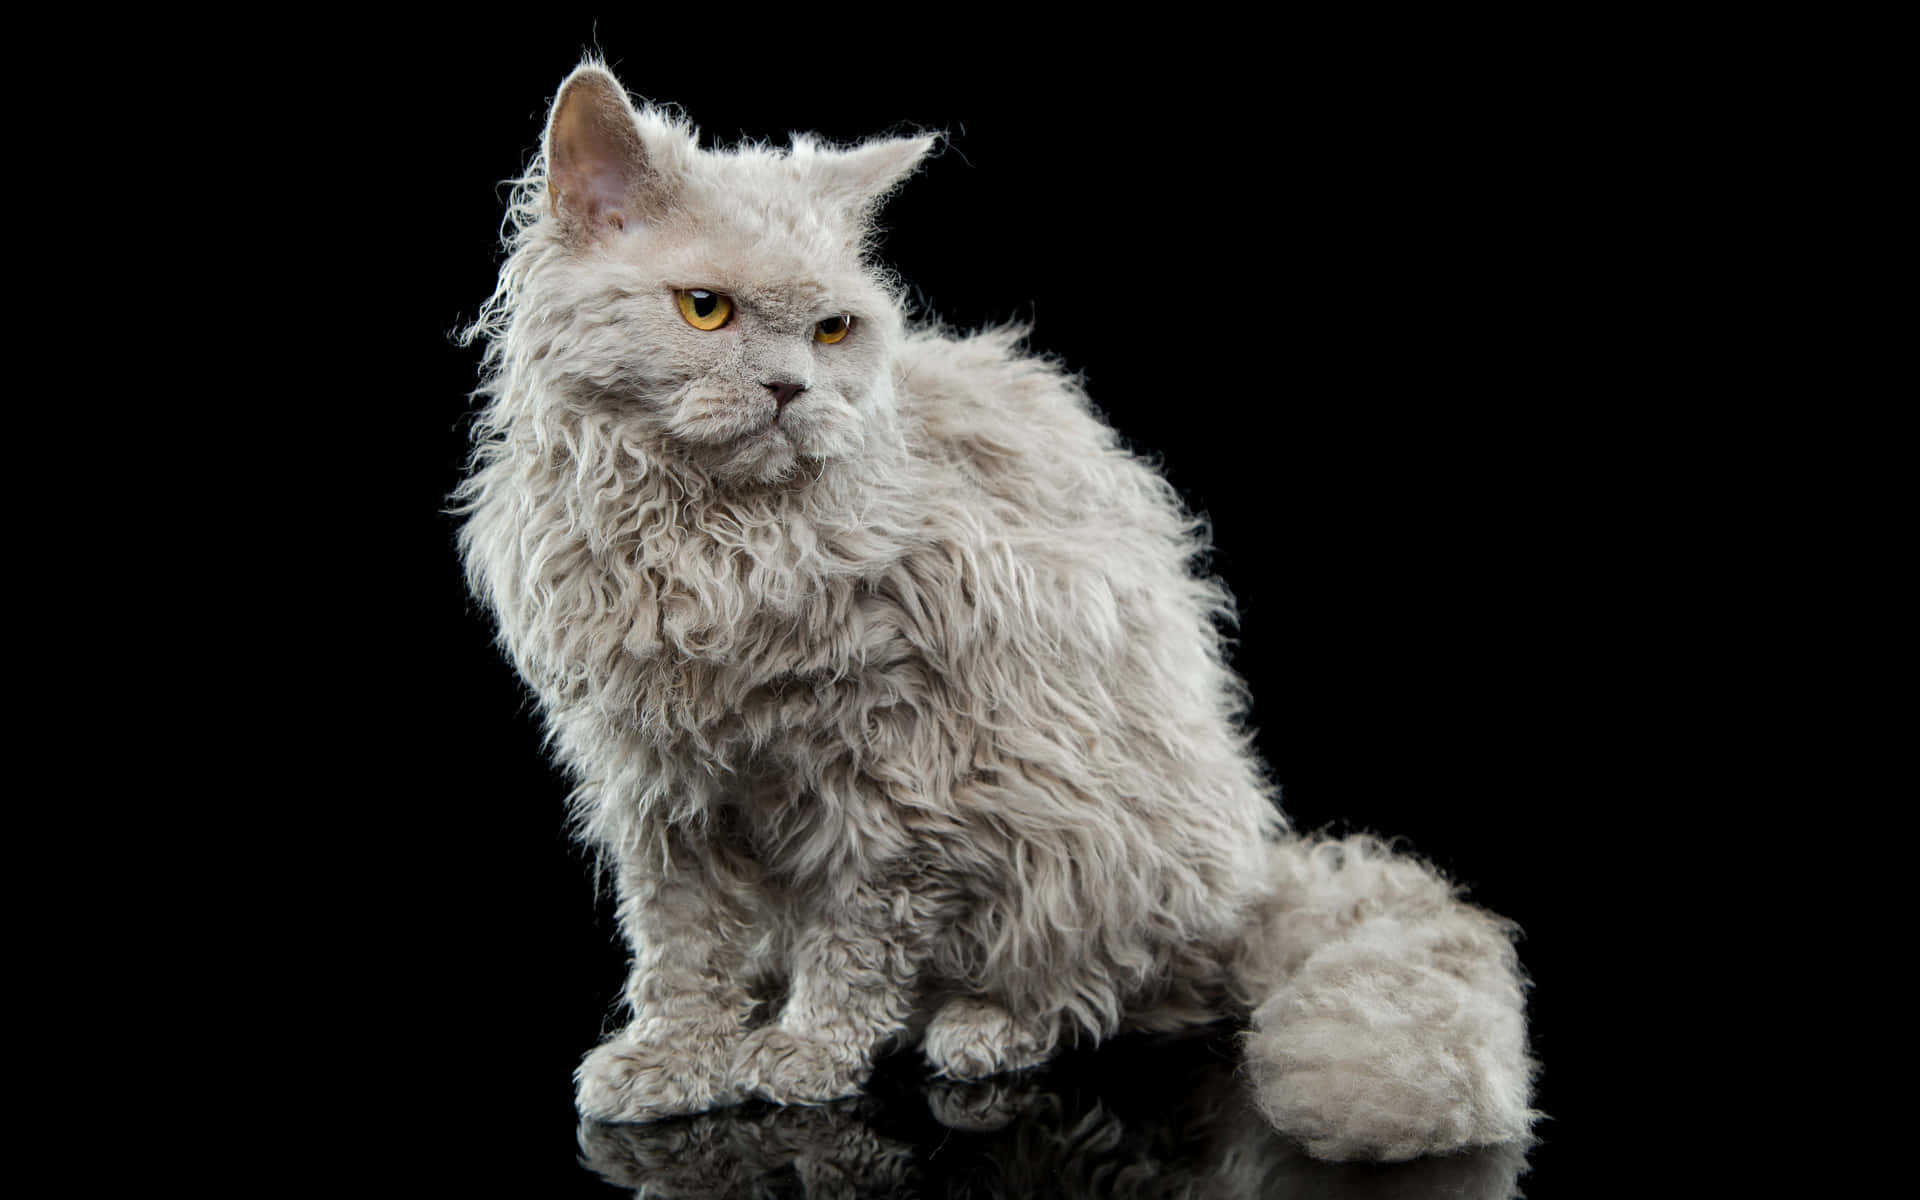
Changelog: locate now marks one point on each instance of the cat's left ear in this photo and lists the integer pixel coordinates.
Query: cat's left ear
(862, 177)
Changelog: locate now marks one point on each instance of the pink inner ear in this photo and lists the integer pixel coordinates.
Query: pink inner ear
(590, 172)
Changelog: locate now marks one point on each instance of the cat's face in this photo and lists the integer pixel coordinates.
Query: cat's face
(717, 303)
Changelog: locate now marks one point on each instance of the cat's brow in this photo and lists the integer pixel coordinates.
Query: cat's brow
(803, 302)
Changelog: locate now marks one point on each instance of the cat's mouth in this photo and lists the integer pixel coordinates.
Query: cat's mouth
(738, 444)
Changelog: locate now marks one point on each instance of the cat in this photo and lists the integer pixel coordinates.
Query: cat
(897, 709)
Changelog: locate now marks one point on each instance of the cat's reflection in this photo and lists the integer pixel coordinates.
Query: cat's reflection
(1139, 1118)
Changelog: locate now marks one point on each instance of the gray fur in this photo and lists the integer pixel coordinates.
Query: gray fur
(905, 715)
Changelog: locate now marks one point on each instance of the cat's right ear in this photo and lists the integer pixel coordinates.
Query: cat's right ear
(603, 172)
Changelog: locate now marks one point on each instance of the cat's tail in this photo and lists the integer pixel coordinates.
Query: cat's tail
(1388, 1016)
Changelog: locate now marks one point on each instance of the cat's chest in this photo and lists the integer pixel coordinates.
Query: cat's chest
(790, 677)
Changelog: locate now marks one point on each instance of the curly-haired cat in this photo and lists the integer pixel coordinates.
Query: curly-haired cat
(895, 704)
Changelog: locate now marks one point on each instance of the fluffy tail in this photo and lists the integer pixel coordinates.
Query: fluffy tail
(1387, 1013)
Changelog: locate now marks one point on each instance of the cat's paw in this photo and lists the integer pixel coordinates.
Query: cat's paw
(794, 1068)
(624, 1079)
(972, 1039)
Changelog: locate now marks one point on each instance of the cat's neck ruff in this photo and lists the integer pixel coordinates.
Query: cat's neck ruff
(615, 568)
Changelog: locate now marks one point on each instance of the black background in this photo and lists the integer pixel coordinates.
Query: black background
(1342, 283)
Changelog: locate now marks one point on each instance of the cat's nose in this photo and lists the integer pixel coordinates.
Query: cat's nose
(783, 392)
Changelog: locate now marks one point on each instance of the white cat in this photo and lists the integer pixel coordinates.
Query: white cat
(895, 705)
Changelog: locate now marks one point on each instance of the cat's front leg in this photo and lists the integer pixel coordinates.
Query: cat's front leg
(970, 1038)
(686, 990)
(851, 992)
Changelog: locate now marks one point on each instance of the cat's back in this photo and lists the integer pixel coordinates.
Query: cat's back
(1015, 436)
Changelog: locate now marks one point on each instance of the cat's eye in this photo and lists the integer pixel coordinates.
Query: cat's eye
(704, 309)
(832, 329)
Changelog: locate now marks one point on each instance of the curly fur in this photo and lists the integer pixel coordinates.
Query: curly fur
(899, 710)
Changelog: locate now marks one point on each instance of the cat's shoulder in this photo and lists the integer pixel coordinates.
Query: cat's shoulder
(988, 420)
(988, 384)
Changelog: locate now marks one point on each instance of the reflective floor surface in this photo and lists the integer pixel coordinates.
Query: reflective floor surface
(1144, 1117)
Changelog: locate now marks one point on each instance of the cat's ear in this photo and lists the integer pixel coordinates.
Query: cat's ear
(862, 177)
(607, 165)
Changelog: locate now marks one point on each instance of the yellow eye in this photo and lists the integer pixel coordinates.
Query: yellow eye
(832, 329)
(704, 309)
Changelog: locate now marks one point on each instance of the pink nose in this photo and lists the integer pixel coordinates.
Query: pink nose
(784, 393)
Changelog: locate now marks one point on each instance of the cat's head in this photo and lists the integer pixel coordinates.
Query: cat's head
(718, 303)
